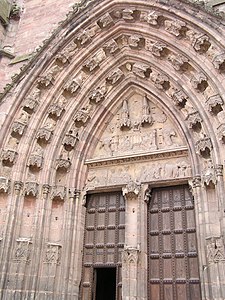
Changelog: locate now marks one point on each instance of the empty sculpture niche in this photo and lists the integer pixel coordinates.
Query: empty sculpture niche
(205, 153)
(105, 283)
(56, 224)
(197, 127)
(28, 216)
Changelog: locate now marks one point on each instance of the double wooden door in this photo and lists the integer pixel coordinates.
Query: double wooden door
(173, 272)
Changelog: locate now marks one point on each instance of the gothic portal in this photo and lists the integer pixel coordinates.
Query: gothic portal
(112, 153)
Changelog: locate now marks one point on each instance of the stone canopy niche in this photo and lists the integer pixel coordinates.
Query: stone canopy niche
(138, 127)
(140, 144)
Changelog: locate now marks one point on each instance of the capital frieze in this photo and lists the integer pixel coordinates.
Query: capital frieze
(131, 190)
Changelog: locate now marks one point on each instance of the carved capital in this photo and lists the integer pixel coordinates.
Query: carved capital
(58, 192)
(74, 193)
(9, 156)
(18, 185)
(35, 160)
(4, 184)
(45, 189)
(31, 188)
(195, 182)
(131, 190)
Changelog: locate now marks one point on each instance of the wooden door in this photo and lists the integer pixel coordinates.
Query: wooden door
(172, 249)
(103, 240)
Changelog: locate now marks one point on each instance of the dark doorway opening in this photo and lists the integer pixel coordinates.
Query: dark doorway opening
(105, 284)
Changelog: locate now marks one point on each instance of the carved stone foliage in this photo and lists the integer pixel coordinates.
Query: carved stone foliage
(199, 82)
(219, 62)
(145, 172)
(193, 119)
(49, 77)
(215, 250)
(98, 94)
(151, 17)
(214, 103)
(31, 188)
(179, 98)
(95, 60)
(20, 124)
(201, 43)
(45, 132)
(4, 184)
(53, 254)
(8, 156)
(32, 101)
(141, 70)
(160, 80)
(138, 127)
(204, 147)
(66, 55)
(209, 174)
(175, 27)
(58, 192)
(22, 250)
(157, 48)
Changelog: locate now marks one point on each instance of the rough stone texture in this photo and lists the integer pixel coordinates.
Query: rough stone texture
(108, 105)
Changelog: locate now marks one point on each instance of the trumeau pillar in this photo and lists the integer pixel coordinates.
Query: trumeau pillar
(131, 272)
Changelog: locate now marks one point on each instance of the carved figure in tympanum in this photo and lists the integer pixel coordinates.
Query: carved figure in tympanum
(138, 127)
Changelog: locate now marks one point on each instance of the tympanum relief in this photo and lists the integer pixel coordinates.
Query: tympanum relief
(138, 127)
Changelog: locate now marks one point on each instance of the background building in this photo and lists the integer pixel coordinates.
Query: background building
(112, 150)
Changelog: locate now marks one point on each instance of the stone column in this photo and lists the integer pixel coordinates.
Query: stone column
(130, 256)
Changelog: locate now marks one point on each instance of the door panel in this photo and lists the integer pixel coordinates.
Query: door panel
(172, 250)
(103, 241)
